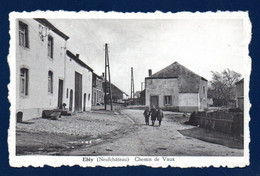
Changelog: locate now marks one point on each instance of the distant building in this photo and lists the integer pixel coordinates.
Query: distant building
(137, 94)
(97, 90)
(176, 88)
(117, 94)
(45, 77)
(240, 94)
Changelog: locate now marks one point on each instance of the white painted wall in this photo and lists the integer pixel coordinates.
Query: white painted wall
(188, 99)
(36, 59)
(71, 67)
(162, 87)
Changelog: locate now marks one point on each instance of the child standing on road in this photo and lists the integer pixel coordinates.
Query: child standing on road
(159, 115)
(153, 115)
(146, 115)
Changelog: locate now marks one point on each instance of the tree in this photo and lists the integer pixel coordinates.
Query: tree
(222, 85)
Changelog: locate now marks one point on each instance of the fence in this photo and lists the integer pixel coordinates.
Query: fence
(230, 122)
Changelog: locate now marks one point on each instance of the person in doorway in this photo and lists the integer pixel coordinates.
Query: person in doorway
(153, 115)
(146, 115)
(159, 115)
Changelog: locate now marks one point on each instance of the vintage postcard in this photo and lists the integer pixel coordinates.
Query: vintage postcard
(128, 89)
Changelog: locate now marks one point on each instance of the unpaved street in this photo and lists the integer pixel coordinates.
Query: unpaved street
(143, 140)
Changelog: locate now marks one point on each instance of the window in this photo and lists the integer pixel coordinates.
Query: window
(67, 94)
(23, 35)
(50, 46)
(204, 90)
(167, 100)
(24, 81)
(50, 82)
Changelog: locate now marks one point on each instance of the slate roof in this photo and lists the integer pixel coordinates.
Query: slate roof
(76, 59)
(188, 81)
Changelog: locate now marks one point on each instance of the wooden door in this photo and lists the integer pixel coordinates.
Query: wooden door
(84, 104)
(60, 94)
(78, 92)
(154, 101)
(71, 100)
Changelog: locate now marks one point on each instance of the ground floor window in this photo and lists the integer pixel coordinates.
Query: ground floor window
(24, 81)
(50, 82)
(167, 100)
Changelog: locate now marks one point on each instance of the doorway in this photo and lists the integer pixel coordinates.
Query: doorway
(84, 104)
(71, 100)
(78, 92)
(154, 101)
(60, 93)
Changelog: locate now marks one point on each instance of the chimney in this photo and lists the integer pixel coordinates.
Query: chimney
(150, 72)
(77, 55)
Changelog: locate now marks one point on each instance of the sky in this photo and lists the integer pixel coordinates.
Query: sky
(201, 45)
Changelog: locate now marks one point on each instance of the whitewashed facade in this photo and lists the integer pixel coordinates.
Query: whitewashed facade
(41, 74)
(78, 84)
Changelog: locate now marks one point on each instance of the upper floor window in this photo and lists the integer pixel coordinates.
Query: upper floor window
(204, 90)
(24, 81)
(23, 35)
(167, 100)
(50, 46)
(50, 82)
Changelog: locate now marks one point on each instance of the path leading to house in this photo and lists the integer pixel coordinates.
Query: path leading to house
(143, 140)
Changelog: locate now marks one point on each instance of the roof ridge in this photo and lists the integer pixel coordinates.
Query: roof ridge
(78, 60)
(180, 65)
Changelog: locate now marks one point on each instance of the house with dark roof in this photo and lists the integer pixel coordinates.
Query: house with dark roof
(176, 88)
(48, 76)
(40, 60)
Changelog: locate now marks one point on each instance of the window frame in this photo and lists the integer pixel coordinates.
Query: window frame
(23, 33)
(50, 46)
(24, 85)
(167, 100)
(50, 82)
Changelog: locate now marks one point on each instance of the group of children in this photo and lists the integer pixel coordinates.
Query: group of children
(155, 114)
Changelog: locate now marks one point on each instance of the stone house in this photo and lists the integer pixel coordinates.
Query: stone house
(176, 88)
(42, 69)
(97, 90)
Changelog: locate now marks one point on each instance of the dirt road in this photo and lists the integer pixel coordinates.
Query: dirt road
(143, 140)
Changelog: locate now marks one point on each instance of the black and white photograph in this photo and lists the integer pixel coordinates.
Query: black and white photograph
(117, 89)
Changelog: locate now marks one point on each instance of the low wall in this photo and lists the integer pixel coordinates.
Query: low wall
(223, 121)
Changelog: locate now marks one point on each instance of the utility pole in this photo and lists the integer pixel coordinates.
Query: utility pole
(132, 85)
(107, 87)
